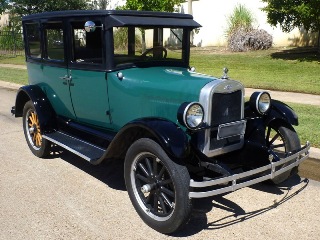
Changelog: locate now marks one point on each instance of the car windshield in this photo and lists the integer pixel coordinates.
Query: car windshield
(137, 45)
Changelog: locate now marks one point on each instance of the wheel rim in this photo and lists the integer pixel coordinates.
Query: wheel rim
(276, 142)
(32, 128)
(153, 186)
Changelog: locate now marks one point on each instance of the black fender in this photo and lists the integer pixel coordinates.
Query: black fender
(46, 114)
(280, 110)
(167, 134)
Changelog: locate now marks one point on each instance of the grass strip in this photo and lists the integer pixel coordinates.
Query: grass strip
(19, 76)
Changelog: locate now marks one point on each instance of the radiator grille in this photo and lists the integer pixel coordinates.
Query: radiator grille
(226, 107)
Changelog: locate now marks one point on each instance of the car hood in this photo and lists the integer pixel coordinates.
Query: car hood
(176, 84)
(152, 92)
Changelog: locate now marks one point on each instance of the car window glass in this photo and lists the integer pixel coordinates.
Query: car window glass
(138, 44)
(87, 46)
(54, 41)
(33, 40)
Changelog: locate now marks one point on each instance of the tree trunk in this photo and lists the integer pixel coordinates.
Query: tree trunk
(319, 41)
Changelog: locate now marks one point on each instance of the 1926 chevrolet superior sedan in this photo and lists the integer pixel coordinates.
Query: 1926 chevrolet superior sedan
(117, 85)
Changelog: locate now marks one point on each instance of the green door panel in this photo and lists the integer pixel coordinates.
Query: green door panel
(152, 92)
(57, 90)
(89, 93)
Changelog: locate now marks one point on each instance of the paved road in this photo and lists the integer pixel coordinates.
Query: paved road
(65, 197)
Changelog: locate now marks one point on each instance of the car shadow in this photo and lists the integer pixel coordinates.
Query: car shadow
(111, 173)
(199, 221)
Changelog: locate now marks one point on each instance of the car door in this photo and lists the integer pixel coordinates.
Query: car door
(88, 87)
(55, 73)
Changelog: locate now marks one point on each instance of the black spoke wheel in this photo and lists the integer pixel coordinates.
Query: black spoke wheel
(157, 186)
(31, 128)
(282, 139)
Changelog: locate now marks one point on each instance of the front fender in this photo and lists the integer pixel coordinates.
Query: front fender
(45, 112)
(280, 110)
(170, 137)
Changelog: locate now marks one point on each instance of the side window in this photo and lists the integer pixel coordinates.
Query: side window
(54, 45)
(87, 47)
(33, 40)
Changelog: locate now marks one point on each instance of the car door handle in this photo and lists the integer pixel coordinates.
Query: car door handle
(67, 79)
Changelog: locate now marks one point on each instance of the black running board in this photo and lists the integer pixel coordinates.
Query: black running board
(77, 146)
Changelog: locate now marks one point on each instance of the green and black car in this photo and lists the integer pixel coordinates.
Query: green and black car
(118, 85)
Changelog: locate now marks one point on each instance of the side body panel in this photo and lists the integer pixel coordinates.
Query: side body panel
(89, 93)
(152, 92)
(49, 79)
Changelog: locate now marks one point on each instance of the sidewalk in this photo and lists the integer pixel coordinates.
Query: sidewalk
(289, 96)
(282, 96)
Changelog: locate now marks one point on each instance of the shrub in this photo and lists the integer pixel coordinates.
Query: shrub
(256, 39)
(241, 18)
(10, 40)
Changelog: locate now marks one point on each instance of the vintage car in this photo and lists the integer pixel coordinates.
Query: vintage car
(117, 85)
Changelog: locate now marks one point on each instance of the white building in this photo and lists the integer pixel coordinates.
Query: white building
(212, 15)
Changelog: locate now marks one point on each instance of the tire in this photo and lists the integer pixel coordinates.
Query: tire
(282, 139)
(31, 127)
(158, 187)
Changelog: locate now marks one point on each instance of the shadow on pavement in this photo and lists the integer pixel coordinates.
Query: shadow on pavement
(111, 173)
(199, 221)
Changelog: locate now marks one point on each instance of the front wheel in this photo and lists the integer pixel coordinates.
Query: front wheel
(282, 139)
(31, 128)
(157, 186)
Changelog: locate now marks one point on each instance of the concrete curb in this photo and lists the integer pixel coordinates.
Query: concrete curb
(314, 152)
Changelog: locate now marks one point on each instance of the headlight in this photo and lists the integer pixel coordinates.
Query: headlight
(191, 115)
(261, 102)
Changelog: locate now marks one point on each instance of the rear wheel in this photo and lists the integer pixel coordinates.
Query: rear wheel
(31, 128)
(282, 139)
(157, 186)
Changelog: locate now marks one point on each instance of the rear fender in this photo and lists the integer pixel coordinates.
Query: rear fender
(45, 112)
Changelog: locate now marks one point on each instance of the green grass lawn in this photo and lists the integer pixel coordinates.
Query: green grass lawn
(309, 123)
(19, 60)
(19, 76)
(285, 70)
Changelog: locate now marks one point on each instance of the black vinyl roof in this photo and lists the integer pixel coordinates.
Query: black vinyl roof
(118, 18)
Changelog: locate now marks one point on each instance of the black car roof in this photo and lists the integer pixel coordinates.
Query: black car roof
(117, 18)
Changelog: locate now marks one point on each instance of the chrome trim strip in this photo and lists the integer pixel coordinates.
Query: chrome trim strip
(297, 157)
(218, 86)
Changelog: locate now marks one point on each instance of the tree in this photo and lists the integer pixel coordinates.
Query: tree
(152, 5)
(26, 7)
(290, 14)
(3, 5)
(100, 4)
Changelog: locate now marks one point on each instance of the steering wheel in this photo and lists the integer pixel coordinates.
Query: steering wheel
(155, 49)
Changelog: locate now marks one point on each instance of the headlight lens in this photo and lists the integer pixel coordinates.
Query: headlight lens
(261, 102)
(193, 115)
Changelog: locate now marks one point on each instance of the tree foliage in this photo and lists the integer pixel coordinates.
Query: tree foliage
(99, 4)
(152, 5)
(26, 7)
(3, 6)
(290, 14)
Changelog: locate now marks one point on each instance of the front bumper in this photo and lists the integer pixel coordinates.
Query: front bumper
(297, 158)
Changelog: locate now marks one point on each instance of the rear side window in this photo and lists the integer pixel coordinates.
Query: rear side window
(33, 40)
(54, 41)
